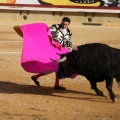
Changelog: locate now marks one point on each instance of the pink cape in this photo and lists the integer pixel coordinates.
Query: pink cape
(38, 48)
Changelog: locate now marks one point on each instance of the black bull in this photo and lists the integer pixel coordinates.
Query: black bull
(97, 62)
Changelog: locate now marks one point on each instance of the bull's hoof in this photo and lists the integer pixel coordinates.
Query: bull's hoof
(114, 100)
(105, 94)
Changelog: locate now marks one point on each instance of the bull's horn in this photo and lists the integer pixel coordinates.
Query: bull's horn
(61, 60)
(18, 30)
(58, 54)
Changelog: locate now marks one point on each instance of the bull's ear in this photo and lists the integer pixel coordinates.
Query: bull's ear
(18, 30)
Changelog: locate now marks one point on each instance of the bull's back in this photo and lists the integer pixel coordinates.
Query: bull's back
(99, 59)
(93, 58)
(93, 53)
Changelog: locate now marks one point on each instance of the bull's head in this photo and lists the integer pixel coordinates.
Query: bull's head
(65, 70)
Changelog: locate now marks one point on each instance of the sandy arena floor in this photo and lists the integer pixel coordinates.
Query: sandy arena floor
(20, 99)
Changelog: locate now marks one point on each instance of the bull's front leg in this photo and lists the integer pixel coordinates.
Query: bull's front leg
(94, 87)
(109, 82)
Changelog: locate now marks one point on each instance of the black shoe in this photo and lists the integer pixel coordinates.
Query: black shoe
(35, 81)
(59, 88)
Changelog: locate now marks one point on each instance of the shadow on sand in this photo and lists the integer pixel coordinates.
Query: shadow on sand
(11, 88)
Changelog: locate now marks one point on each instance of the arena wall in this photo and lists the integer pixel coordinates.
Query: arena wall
(86, 27)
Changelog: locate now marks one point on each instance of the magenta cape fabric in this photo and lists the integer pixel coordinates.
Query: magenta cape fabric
(38, 48)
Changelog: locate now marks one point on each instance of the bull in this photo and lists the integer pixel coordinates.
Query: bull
(95, 61)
